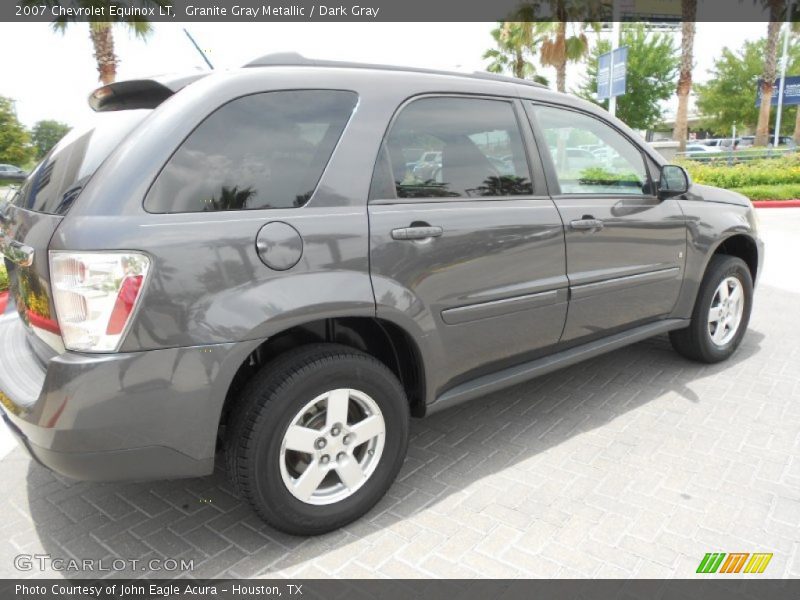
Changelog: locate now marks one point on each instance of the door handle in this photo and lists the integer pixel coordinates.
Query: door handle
(586, 224)
(416, 233)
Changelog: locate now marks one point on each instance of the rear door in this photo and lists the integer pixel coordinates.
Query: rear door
(625, 246)
(31, 215)
(470, 247)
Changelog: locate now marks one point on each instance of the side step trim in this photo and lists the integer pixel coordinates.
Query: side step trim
(486, 384)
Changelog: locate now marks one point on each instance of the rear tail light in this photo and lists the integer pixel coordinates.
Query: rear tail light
(95, 294)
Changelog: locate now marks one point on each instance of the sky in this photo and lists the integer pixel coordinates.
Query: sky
(50, 75)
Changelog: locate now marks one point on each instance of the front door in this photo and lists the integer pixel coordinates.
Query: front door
(464, 241)
(625, 246)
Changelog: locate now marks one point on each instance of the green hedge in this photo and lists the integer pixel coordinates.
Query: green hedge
(786, 191)
(3, 277)
(767, 172)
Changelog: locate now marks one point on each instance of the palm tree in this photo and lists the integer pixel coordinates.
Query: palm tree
(515, 43)
(102, 32)
(559, 48)
(770, 68)
(681, 130)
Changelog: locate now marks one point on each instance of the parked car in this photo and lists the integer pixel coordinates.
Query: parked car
(784, 140)
(701, 151)
(12, 173)
(427, 166)
(718, 143)
(243, 272)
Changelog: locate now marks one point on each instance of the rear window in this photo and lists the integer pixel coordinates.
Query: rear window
(261, 151)
(55, 183)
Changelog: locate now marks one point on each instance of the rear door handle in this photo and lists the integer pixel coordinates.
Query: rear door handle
(586, 224)
(416, 233)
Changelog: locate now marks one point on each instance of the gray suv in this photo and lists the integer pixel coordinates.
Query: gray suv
(244, 265)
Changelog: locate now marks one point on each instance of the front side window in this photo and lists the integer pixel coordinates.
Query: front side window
(262, 151)
(455, 148)
(589, 156)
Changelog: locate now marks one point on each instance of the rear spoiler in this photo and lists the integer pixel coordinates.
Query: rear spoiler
(139, 93)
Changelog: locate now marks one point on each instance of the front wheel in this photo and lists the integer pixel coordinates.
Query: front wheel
(318, 438)
(721, 313)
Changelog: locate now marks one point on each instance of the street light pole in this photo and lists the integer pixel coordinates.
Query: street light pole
(784, 61)
(615, 29)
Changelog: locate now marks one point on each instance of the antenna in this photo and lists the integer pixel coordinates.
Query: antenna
(196, 47)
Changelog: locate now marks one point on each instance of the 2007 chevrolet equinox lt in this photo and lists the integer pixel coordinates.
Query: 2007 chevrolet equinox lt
(259, 264)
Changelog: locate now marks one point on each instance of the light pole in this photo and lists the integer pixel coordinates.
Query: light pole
(615, 29)
(784, 61)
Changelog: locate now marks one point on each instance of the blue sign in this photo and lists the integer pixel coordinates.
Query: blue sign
(791, 91)
(612, 72)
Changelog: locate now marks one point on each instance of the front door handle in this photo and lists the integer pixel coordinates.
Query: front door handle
(416, 233)
(586, 224)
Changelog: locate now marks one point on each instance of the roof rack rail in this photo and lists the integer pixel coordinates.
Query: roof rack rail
(293, 59)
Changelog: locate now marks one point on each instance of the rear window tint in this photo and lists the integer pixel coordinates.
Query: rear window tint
(260, 151)
(55, 183)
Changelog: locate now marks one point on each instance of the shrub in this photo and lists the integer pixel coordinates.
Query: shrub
(772, 171)
(3, 277)
(790, 191)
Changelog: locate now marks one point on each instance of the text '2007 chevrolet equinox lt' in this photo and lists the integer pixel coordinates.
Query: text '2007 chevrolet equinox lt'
(282, 263)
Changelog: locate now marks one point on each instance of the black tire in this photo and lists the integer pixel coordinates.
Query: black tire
(265, 410)
(695, 341)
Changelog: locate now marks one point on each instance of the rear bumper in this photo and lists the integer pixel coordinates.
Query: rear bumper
(151, 462)
(110, 417)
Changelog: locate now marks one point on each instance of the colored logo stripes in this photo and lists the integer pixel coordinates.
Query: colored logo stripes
(735, 562)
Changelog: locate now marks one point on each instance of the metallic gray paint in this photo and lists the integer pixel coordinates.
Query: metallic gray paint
(486, 304)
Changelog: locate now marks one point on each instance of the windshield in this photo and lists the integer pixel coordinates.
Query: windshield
(56, 182)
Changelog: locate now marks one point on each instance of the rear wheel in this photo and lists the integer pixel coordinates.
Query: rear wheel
(721, 313)
(318, 438)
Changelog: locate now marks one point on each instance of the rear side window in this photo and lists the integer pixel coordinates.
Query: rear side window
(55, 183)
(260, 151)
(453, 148)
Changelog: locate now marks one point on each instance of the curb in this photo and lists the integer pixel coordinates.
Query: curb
(776, 203)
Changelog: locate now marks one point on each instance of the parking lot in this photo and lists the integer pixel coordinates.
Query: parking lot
(636, 463)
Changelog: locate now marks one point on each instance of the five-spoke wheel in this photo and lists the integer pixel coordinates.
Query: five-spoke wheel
(332, 446)
(721, 312)
(318, 437)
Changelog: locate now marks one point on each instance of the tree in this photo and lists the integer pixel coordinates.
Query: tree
(770, 67)
(688, 16)
(652, 67)
(557, 46)
(14, 140)
(729, 96)
(101, 32)
(45, 134)
(796, 135)
(515, 44)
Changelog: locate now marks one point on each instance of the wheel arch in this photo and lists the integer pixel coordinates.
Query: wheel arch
(741, 246)
(383, 339)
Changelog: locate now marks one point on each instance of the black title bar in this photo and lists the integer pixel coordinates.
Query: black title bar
(712, 588)
(268, 11)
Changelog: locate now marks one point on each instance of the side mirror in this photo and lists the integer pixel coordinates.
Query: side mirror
(674, 181)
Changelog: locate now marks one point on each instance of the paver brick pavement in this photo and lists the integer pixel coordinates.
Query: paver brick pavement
(635, 464)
